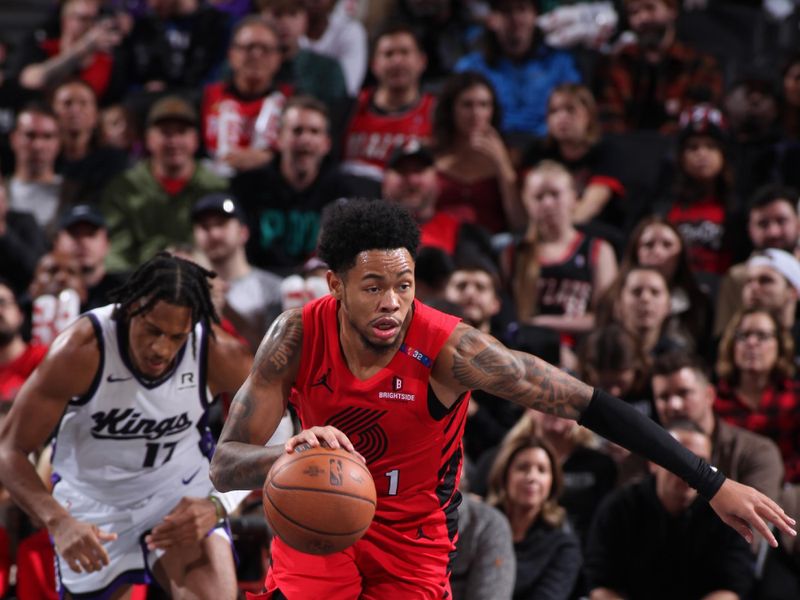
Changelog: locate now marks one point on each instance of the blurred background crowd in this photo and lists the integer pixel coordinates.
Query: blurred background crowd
(611, 185)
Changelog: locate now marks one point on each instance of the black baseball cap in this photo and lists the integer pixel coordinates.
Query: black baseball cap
(82, 213)
(410, 149)
(218, 202)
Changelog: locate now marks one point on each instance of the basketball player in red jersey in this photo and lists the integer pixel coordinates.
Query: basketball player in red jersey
(371, 369)
(393, 113)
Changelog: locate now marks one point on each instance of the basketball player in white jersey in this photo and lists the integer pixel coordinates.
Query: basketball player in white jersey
(126, 389)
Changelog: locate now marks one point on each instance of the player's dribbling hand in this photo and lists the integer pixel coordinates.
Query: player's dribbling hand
(316, 436)
(186, 524)
(746, 509)
(81, 545)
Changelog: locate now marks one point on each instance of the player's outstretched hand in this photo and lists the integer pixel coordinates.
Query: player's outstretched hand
(330, 436)
(81, 545)
(746, 509)
(186, 524)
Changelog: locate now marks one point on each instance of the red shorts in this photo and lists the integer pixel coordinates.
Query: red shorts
(388, 563)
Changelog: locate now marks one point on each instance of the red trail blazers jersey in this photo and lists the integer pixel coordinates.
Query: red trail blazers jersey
(372, 136)
(411, 442)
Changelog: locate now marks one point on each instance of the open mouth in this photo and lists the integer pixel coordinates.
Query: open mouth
(385, 329)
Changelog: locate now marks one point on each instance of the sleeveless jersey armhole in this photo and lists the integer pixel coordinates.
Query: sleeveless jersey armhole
(98, 333)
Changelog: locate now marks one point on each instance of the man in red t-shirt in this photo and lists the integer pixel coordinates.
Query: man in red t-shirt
(395, 111)
(241, 114)
(17, 357)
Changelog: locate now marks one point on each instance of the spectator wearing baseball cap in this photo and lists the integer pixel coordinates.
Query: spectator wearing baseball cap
(410, 180)
(772, 283)
(148, 206)
(253, 296)
(698, 192)
(82, 233)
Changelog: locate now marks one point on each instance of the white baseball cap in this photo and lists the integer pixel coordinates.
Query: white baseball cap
(781, 261)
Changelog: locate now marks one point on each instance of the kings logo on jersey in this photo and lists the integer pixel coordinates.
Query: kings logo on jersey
(128, 425)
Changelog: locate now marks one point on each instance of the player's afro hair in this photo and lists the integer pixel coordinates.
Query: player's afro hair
(350, 227)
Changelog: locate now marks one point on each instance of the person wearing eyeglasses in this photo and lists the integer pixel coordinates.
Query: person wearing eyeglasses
(306, 70)
(241, 113)
(756, 389)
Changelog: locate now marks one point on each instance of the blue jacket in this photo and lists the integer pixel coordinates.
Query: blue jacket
(523, 88)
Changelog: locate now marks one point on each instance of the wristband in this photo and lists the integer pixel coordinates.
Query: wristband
(219, 508)
(620, 423)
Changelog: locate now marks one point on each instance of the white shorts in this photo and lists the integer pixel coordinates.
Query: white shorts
(130, 560)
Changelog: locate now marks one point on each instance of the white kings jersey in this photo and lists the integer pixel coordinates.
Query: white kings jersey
(128, 438)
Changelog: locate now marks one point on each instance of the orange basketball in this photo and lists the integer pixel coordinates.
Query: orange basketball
(319, 500)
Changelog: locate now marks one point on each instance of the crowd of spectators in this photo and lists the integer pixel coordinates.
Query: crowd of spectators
(611, 185)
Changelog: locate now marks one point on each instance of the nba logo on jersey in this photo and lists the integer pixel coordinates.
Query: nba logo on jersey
(397, 384)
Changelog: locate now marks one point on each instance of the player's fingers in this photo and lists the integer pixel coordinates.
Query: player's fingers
(304, 437)
(99, 556)
(74, 564)
(332, 437)
(768, 515)
(163, 530)
(104, 536)
(776, 515)
(86, 562)
(154, 542)
(743, 528)
(761, 527)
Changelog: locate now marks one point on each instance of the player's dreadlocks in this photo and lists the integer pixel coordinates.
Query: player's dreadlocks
(173, 280)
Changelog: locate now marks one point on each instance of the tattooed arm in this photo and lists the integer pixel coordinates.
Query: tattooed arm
(472, 360)
(241, 461)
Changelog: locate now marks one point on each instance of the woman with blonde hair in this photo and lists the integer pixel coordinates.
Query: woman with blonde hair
(574, 138)
(559, 272)
(756, 389)
(524, 484)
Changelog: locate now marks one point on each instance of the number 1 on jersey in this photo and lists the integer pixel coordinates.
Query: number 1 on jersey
(394, 481)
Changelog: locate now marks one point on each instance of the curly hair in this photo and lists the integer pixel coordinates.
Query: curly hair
(350, 227)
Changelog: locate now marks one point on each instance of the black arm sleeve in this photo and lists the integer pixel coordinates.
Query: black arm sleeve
(622, 424)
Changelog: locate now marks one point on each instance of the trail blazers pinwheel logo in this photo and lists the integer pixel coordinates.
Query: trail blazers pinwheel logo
(362, 427)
